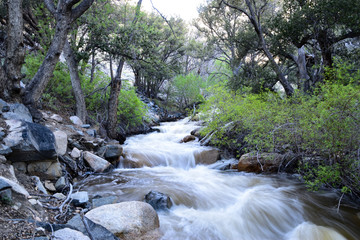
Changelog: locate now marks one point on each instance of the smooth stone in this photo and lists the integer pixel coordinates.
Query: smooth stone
(127, 220)
(207, 157)
(50, 186)
(16, 187)
(57, 118)
(98, 164)
(70, 234)
(158, 200)
(270, 162)
(45, 169)
(75, 153)
(80, 199)
(188, 138)
(59, 196)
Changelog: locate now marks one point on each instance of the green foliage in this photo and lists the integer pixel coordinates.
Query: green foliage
(131, 109)
(324, 126)
(187, 89)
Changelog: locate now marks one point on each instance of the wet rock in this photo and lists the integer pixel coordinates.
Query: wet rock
(188, 138)
(45, 169)
(207, 157)
(250, 162)
(111, 152)
(80, 199)
(127, 220)
(57, 118)
(97, 202)
(61, 140)
(98, 164)
(29, 142)
(196, 133)
(76, 120)
(60, 184)
(97, 231)
(134, 163)
(158, 200)
(75, 153)
(70, 234)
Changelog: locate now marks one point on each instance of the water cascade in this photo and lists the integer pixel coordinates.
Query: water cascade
(213, 204)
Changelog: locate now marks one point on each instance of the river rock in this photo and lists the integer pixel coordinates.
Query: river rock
(29, 142)
(60, 184)
(70, 234)
(97, 231)
(127, 220)
(76, 120)
(111, 152)
(97, 202)
(45, 169)
(250, 162)
(188, 138)
(98, 164)
(158, 200)
(75, 153)
(80, 199)
(207, 157)
(61, 140)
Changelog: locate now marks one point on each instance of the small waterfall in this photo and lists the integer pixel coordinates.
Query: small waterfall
(210, 204)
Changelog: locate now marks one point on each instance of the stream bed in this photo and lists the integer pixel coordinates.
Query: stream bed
(212, 204)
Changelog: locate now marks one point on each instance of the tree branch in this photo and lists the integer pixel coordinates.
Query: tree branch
(80, 9)
(50, 6)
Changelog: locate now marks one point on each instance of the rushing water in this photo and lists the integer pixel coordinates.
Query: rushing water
(225, 205)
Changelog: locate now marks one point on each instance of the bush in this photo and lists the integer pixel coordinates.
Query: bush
(322, 130)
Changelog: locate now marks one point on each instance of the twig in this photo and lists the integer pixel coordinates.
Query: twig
(338, 207)
(172, 30)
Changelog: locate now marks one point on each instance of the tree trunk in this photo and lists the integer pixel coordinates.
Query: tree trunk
(15, 51)
(116, 87)
(303, 74)
(42, 77)
(114, 101)
(65, 13)
(93, 66)
(81, 111)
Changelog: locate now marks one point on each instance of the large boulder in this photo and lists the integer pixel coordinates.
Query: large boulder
(260, 162)
(127, 220)
(98, 164)
(29, 142)
(206, 157)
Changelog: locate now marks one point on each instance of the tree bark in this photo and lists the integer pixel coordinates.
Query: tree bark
(15, 51)
(81, 111)
(65, 14)
(116, 87)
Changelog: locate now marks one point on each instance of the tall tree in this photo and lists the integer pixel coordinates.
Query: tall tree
(116, 85)
(65, 13)
(10, 72)
(253, 10)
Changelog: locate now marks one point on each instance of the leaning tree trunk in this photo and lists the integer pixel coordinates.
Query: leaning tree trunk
(81, 111)
(15, 52)
(65, 13)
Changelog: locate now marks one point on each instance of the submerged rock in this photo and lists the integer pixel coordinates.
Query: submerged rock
(158, 200)
(127, 220)
(207, 157)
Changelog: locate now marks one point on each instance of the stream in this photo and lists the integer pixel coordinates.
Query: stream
(209, 203)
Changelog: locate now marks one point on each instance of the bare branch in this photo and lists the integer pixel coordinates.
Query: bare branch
(172, 30)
